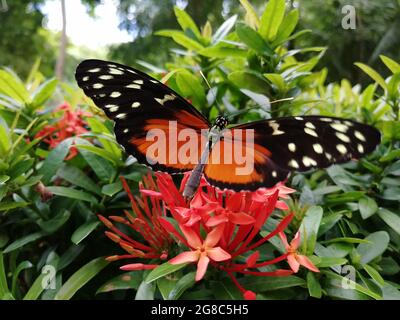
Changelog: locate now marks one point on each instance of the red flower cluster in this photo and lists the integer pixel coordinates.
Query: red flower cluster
(71, 124)
(218, 229)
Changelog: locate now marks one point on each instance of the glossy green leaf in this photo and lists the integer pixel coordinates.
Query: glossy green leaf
(165, 286)
(223, 52)
(251, 14)
(390, 218)
(145, 291)
(55, 223)
(112, 188)
(72, 193)
(367, 207)
(224, 29)
(253, 39)
(17, 244)
(186, 22)
(378, 243)
(54, 161)
(272, 18)
(309, 228)
(250, 81)
(43, 93)
(391, 64)
(3, 277)
(373, 74)
(314, 288)
(190, 86)
(261, 284)
(163, 270)
(374, 274)
(80, 278)
(78, 177)
(83, 231)
(287, 27)
(5, 206)
(12, 86)
(225, 290)
(69, 255)
(125, 281)
(184, 283)
(36, 288)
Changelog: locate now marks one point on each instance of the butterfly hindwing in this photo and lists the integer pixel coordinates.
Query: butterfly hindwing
(290, 144)
(138, 103)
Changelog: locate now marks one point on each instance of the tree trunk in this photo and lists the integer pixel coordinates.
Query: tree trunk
(63, 44)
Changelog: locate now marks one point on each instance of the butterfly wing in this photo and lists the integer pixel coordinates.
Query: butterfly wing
(289, 144)
(139, 105)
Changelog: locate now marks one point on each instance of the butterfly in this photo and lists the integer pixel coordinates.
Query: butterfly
(141, 105)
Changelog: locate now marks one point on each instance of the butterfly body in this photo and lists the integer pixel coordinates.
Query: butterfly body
(147, 114)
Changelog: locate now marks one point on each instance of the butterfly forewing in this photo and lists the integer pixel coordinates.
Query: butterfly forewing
(137, 103)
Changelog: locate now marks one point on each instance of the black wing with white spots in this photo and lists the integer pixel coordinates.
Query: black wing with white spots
(137, 103)
(302, 143)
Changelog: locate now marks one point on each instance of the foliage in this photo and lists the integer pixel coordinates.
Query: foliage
(347, 215)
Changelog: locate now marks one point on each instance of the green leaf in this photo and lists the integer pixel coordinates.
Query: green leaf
(125, 281)
(21, 267)
(108, 143)
(287, 27)
(166, 285)
(23, 241)
(78, 177)
(252, 39)
(346, 240)
(112, 188)
(225, 290)
(325, 262)
(145, 291)
(261, 284)
(367, 207)
(72, 193)
(373, 74)
(5, 206)
(224, 29)
(391, 64)
(43, 93)
(250, 81)
(328, 222)
(5, 142)
(374, 274)
(101, 152)
(163, 270)
(54, 161)
(186, 22)
(186, 42)
(101, 167)
(83, 231)
(379, 242)
(3, 277)
(251, 15)
(272, 18)
(390, 218)
(314, 288)
(190, 86)
(69, 256)
(36, 289)
(277, 80)
(52, 225)
(184, 283)
(309, 228)
(12, 86)
(80, 278)
(223, 52)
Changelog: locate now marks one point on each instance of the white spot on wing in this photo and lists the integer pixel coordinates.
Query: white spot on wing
(360, 148)
(293, 163)
(121, 116)
(309, 162)
(167, 97)
(126, 130)
(85, 78)
(116, 71)
(138, 81)
(341, 148)
(275, 128)
(339, 127)
(115, 94)
(359, 135)
(136, 104)
(310, 125)
(311, 132)
(133, 86)
(292, 147)
(318, 148)
(106, 77)
(98, 86)
(94, 70)
(298, 118)
(274, 174)
(342, 137)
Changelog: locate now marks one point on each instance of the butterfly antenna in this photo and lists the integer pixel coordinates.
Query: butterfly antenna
(214, 95)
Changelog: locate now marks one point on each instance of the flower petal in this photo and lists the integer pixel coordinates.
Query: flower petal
(202, 267)
(293, 263)
(218, 254)
(185, 257)
(249, 295)
(241, 218)
(294, 244)
(306, 262)
(216, 220)
(192, 238)
(282, 235)
(214, 236)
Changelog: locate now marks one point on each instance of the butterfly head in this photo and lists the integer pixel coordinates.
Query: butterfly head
(221, 122)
